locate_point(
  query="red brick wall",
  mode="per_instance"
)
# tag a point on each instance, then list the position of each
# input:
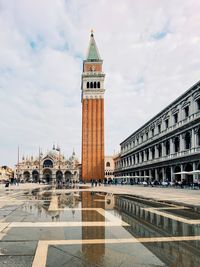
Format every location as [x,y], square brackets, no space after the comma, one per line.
[92,139]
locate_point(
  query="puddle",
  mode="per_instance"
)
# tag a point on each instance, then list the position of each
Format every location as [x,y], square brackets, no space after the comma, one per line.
[96,229]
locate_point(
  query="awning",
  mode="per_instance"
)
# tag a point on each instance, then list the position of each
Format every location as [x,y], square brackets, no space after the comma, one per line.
[183,172]
[195,172]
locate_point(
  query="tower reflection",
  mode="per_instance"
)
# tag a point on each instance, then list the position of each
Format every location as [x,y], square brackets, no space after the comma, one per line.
[93,253]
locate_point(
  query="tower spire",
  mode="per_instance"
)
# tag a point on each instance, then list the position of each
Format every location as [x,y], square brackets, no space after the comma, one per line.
[92,33]
[93,52]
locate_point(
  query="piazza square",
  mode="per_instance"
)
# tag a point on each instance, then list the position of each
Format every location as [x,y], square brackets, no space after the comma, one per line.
[100,134]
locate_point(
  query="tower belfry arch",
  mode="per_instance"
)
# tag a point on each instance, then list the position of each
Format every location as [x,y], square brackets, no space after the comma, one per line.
[92,114]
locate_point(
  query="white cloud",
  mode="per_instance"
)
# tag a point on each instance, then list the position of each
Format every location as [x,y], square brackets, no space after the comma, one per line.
[150,51]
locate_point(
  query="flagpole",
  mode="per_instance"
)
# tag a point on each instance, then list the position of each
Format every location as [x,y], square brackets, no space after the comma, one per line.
[39,166]
[18,163]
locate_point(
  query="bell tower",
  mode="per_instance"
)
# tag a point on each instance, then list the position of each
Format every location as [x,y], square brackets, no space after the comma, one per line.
[92,114]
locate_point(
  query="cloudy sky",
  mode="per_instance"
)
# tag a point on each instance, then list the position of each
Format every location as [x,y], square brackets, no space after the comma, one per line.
[151,52]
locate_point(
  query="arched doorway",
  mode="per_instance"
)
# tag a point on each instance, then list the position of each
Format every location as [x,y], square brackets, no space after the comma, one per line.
[68,176]
[153,175]
[168,174]
[188,177]
[177,177]
[198,166]
[35,175]
[160,175]
[59,176]
[47,175]
[48,163]
[26,176]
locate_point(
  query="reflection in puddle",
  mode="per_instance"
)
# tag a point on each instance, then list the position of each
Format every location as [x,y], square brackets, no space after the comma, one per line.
[95,242]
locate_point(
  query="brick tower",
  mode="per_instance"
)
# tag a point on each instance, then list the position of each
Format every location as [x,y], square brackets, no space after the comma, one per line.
[92,114]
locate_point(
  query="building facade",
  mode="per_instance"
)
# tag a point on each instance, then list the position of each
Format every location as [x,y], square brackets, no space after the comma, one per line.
[92,114]
[166,146]
[109,167]
[51,167]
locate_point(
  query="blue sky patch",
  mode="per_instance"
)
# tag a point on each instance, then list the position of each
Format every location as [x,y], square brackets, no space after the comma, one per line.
[160,35]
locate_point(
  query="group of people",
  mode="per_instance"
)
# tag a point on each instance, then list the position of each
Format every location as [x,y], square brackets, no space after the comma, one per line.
[95,182]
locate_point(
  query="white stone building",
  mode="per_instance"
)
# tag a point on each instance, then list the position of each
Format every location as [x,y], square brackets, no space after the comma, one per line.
[109,167]
[52,167]
[167,144]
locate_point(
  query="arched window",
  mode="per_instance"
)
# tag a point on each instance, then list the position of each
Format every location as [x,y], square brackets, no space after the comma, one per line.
[153,152]
[186,110]
[142,156]
[107,164]
[91,84]
[187,141]
[159,150]
[176,144]
[95,84]
[167,147]
[198,137]
[198,104]
[88,85]
[98,84]
[48,164]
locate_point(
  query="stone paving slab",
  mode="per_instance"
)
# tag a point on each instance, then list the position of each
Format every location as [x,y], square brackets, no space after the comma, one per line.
[26,248]
[16,261]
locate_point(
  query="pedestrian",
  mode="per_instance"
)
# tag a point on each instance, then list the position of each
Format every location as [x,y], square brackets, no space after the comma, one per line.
[7,184]
[96,182]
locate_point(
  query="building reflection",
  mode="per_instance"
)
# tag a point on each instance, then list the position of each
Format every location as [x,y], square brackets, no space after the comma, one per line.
[93,253]
[144,223]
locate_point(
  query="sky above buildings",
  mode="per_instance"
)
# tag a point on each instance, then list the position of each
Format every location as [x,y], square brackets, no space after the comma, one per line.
[151,56]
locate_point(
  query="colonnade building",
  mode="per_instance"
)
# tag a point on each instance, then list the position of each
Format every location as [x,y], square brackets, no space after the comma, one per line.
[167,144]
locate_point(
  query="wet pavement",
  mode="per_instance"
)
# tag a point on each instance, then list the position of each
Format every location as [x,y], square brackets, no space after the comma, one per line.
[79,227]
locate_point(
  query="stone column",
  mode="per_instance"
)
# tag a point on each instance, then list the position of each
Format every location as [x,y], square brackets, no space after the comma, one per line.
[145,155]
[172,173]
[194,175]
[163,174]
[150,154]
[156,174]
[172,146]
[163,149]
[132,160]
[196,141]
[193,145]
[182,145]
[182,175]
[150,174]
[140,158]
[156,151]
[136,161]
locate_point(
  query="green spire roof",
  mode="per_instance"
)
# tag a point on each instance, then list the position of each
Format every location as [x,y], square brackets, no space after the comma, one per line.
[93,53]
